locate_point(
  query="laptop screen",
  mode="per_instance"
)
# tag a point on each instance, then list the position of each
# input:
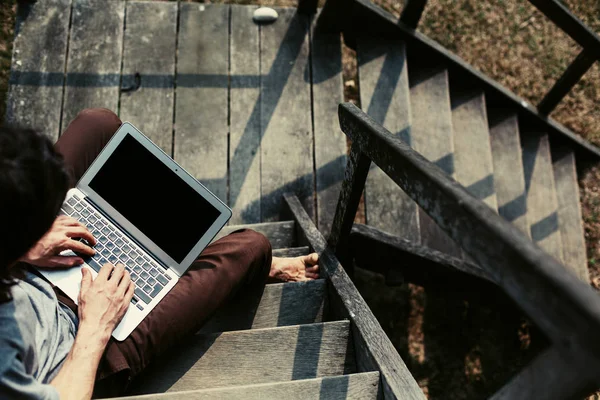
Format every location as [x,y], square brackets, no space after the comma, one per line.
[154,199]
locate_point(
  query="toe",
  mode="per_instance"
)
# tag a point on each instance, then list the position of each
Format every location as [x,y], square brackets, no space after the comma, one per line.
[311,259]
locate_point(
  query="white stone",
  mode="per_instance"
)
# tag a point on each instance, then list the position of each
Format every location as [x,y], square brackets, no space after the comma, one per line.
[265,15]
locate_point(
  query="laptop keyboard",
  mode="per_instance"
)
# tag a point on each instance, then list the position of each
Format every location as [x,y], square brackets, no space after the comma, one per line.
[114,247]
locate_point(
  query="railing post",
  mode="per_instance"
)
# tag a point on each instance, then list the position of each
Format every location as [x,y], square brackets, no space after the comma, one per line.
[307,6]
[412,12]
[565,83]
[335,15]
[355,177]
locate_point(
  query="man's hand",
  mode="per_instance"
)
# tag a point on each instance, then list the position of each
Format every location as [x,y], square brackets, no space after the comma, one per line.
[45,253]
[102,304]
[104,300]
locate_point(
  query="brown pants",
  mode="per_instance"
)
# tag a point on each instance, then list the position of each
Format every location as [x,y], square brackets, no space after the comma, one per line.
[238,262]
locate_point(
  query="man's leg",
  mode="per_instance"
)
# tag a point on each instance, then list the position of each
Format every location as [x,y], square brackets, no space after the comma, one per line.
[85,138]
[237,263]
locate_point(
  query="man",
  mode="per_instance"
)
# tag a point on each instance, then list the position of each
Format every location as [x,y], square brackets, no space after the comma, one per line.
[51,348]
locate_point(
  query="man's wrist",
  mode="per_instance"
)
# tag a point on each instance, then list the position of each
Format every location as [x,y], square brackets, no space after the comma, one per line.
[93,334]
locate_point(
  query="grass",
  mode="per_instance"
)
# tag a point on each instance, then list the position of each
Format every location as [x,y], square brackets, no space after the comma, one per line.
[458,349]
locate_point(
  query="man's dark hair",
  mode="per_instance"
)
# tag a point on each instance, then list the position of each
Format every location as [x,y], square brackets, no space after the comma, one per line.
[33,184]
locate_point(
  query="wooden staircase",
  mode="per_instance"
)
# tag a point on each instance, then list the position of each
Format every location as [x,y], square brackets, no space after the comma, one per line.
[285,342]
[488,145]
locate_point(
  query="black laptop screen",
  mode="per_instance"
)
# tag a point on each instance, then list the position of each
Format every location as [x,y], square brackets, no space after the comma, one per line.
[154,199]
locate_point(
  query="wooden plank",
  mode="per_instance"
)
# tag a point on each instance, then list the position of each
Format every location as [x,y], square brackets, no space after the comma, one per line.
[38,66]
[292,252]
[550,375]
[281,304]
[201,107]
[432,136]
[473,163]
[254,356]
[349,198]
[330,141]
[542,205]
[373,349]
[281,234]
[569,212]
[244,156]
[353,386]
[94,60]
[384,94]
[369,17]
[416,260]
[566,309]
[285,114]
[149,50]
[509,181]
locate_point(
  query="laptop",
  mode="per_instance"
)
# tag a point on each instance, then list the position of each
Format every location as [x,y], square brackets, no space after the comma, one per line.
[147,213]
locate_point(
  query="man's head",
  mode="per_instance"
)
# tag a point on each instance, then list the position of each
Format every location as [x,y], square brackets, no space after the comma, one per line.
[33,184]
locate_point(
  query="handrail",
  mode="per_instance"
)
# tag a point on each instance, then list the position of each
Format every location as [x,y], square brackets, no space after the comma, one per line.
[569,23]
[565,20]
[351,16]
[565,308]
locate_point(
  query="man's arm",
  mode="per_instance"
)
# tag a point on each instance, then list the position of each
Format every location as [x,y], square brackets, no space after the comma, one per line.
[76,377]
[102,304]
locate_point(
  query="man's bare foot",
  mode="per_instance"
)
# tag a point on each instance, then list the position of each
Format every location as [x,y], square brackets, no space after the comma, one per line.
[303,268]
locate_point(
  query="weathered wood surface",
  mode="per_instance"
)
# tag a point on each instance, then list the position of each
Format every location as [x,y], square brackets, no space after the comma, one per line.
[149,50]
[281,304]
[366,17]
[352,187]
[373,349]
[291,252]
[420,262]
[281,234]
[94,57]
[353,386]
[384,95]
[254,356]
[244,103]
[330,141]
[37,70]
[549,376]
[473,164]
[542,205]
[287,147]
[431,135]
[509,181]
[201,105]
[569,212]
[566,309]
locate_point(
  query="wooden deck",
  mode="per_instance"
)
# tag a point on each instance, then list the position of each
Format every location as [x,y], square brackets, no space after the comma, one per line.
[250,111]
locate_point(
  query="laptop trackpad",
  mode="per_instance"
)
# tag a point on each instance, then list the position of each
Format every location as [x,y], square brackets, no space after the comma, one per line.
[68,280]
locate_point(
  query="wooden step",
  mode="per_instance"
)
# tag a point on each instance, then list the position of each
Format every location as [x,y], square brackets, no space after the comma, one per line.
[280,234]
[384,95]
[472,150]
[542,204]
[509,181]
[360,386]
[280,304]
[292,252]
[252,357]
[569,212]
[431,135]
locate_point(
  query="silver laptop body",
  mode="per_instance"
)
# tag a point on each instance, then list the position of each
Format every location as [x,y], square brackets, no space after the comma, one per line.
[147,213]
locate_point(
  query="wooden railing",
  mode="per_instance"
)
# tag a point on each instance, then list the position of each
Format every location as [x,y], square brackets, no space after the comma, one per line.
[565,20]
[565,308]
[360,17]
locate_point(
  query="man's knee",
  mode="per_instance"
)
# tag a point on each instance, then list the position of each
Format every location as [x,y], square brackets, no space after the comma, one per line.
[103,120]
[258,244]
